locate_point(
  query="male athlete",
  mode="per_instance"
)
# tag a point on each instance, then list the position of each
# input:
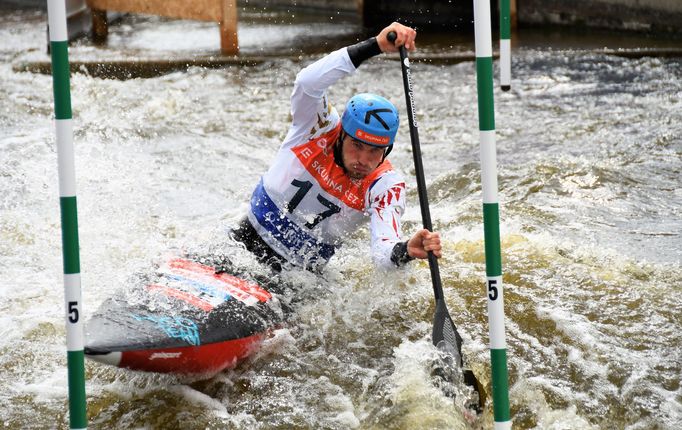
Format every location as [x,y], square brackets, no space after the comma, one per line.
[331,172]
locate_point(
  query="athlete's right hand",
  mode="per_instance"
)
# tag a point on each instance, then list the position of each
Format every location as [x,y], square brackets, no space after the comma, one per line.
[422,242]
[405,36]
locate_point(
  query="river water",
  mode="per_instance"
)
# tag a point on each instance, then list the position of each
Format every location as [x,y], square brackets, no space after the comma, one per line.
[590,161]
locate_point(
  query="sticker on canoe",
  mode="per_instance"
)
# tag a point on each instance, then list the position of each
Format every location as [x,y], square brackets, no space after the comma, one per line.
[175,327]
[165,355]
[201,287]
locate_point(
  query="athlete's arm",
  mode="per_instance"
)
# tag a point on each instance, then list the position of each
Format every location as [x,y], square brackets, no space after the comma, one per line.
[386,204]
[311,112]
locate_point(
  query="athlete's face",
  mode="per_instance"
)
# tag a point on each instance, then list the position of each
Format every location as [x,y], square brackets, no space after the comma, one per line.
[359,158]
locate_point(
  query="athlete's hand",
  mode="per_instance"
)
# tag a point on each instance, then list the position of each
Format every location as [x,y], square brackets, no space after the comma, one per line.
[422,242]
[405,36]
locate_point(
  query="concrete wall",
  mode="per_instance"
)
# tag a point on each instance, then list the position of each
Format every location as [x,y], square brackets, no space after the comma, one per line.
[637,15]
[346,7]
[72,6]
[79,20]
[24,3]
[446,15]
[437,15]
[663,16]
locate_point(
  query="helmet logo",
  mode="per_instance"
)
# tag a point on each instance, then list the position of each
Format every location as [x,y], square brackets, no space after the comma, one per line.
[372,138]
[375,113]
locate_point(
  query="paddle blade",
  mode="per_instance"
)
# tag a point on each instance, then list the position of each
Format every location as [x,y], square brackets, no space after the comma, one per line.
[447,339]
[445,335]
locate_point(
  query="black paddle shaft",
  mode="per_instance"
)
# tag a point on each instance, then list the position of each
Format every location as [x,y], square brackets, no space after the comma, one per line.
[444,329]
[418,166]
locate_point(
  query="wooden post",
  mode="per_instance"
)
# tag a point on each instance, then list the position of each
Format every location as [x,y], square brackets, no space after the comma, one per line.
[222,11]
[360,7]
[512,14]
[229,43]
[100,26]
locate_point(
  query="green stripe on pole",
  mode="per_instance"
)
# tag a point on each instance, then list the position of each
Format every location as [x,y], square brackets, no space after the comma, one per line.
[498,362]
[484,83]
[60,77]
[505,20]
[77,415]
[70,235]
[491,229]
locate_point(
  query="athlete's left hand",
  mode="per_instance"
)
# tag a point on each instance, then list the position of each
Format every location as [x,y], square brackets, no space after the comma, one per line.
[422,242]
[404,36]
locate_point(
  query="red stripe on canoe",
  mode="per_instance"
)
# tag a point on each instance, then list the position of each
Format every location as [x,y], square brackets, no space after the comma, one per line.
[239,288]
[204,359]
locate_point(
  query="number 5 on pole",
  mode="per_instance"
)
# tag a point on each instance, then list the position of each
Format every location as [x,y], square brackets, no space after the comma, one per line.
[73,312]
[492,290]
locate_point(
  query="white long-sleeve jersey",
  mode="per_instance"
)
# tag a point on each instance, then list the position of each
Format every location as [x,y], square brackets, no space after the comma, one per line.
[306,204]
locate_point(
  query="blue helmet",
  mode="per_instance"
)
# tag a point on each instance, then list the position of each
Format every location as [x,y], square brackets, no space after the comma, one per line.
[371,119]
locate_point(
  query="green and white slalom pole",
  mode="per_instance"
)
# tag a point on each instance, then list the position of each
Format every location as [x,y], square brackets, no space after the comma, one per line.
[505,45]
[56,11]
[491,214]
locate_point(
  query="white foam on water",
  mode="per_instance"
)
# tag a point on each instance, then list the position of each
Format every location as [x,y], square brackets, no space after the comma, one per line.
[50,386]
[420,403]
[527,393]
[200,399]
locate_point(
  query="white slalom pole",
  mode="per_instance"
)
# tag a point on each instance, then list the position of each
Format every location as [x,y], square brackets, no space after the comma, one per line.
[491,216]
[59,47]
